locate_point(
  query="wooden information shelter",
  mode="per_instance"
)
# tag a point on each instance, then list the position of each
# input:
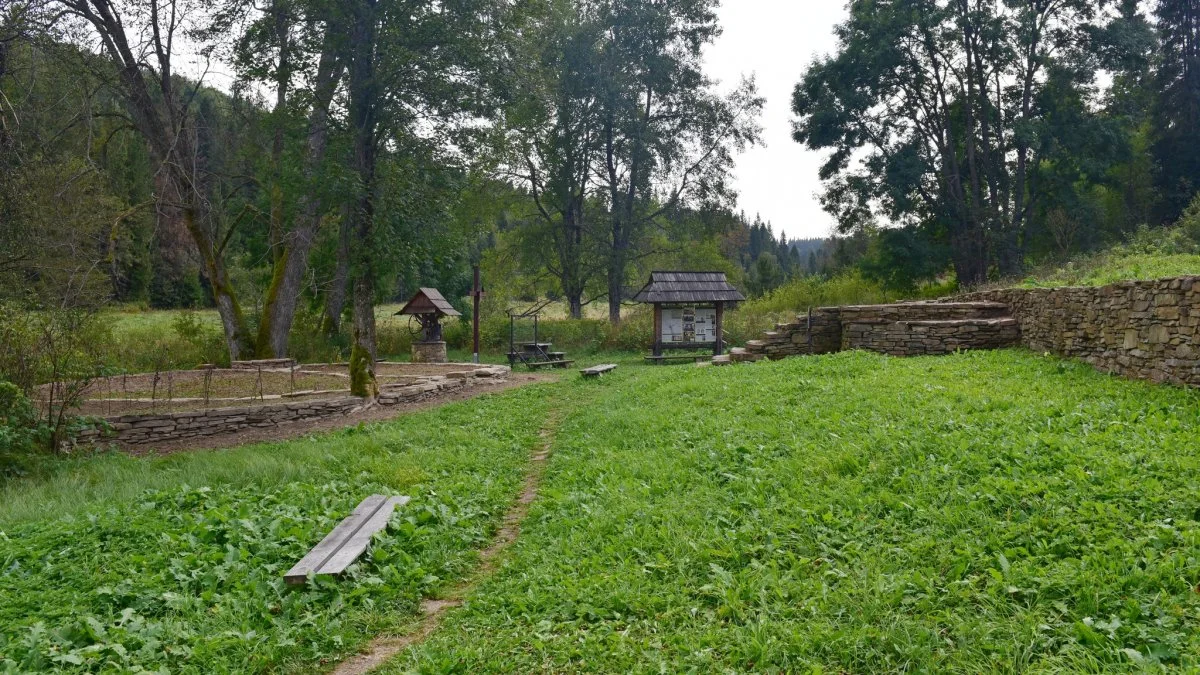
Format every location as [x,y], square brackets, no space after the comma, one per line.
[689,310]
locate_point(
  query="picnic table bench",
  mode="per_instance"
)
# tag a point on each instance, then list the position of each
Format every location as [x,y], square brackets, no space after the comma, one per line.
[597,371]
[341,547]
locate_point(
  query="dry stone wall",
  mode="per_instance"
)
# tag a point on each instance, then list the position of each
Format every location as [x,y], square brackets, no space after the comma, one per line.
[905,329]
[1147,330]
[1140,329]
[935,337]
[145,429]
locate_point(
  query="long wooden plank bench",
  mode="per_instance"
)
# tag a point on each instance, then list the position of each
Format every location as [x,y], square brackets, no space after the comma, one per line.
[597,371]
[341,547]
[549,364]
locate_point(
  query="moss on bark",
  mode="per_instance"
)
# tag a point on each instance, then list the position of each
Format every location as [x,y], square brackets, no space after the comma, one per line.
[362,373]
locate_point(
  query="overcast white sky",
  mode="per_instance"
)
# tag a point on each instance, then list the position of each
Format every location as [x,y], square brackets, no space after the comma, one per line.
[775,40]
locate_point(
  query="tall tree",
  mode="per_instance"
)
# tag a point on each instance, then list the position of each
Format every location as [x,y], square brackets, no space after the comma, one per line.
[289,37]
[1177,114]
[416,69]
[141,38]
[667,138]
[936,111]
[552,133]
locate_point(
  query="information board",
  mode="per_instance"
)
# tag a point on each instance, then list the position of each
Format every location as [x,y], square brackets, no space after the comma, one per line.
[689,325]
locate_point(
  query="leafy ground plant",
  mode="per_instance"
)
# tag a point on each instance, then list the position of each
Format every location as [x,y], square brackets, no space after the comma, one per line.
[853,513]
[175,564]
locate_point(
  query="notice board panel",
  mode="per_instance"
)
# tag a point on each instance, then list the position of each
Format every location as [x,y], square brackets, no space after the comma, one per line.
[689,325]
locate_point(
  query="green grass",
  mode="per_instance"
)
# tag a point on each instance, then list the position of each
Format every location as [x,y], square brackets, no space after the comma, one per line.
[853,513]
[850,513]
[112,563]
[1113,267]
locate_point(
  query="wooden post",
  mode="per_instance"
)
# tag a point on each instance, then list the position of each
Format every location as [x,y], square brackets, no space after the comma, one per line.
[657,329]
[476,291]
[720,346]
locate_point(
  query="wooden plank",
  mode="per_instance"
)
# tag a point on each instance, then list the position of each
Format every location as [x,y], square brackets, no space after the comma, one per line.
[597,371]
[361,539]
[348,540]
[545,364]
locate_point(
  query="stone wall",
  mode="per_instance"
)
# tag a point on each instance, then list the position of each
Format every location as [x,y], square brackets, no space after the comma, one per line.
[905,329]
[1146,330]
[928,338]
[157,428]
[1141,329]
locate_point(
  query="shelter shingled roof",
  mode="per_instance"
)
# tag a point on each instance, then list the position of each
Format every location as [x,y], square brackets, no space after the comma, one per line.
[429,301]
[688,287]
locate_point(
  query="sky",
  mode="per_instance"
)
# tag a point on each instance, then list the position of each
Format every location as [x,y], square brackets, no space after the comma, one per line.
[775,40]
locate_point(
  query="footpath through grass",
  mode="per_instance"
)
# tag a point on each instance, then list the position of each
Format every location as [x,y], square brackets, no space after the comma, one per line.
[116,564]
[853,513]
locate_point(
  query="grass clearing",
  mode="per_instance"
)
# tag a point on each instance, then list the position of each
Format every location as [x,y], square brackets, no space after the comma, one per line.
[854,513]
[113,564]
[848,513]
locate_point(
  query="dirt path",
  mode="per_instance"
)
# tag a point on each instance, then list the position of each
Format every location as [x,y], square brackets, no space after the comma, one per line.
[300,429]
[433,611]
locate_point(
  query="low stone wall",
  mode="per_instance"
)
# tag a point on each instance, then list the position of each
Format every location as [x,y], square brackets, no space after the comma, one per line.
[1140,329]
[158,428]
[930,338]
[905,329]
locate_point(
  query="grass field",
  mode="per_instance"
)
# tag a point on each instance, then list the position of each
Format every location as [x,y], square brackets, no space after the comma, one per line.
[850,513]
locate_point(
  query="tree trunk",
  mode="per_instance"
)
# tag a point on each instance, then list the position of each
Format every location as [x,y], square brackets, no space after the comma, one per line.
[364,98]
[335,297]
[282,84]
[279,309]
[616,286]
[237,335]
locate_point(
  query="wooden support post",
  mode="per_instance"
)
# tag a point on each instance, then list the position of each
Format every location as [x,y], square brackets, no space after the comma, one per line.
[719,348]
[657,329]
[476,294]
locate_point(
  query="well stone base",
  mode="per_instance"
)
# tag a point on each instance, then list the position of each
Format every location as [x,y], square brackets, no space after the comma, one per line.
[429,352]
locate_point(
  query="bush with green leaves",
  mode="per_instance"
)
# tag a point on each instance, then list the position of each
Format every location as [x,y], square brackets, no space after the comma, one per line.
[20,429]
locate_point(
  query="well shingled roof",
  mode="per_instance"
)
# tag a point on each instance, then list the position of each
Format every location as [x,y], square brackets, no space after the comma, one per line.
[427,299]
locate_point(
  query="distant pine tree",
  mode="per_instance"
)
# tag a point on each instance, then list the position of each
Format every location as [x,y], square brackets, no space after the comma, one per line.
[1177,115]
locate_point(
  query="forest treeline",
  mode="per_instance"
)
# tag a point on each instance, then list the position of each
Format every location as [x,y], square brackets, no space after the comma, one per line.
[298,161]
[990,135]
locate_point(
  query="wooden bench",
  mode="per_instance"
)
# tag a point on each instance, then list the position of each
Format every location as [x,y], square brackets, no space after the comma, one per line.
[660,360]
[549,364]
[349,539]
[597,371]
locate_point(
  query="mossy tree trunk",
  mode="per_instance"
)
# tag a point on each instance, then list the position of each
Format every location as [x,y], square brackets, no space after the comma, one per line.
[364,103]
[287,278]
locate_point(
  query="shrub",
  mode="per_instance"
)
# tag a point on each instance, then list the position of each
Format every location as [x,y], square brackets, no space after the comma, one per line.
[19,428]
[202,344]
[60,348]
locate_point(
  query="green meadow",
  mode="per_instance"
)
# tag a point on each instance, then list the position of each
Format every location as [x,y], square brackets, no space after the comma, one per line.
[997,511]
